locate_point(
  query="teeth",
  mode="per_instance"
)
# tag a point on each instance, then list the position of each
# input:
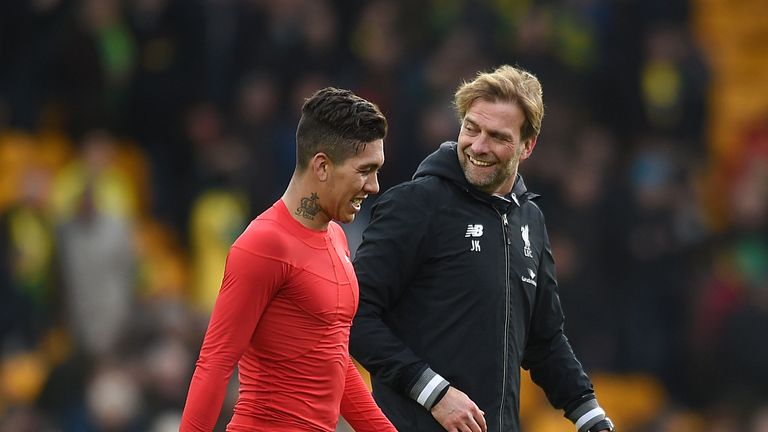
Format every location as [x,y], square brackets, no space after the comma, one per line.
[478,162]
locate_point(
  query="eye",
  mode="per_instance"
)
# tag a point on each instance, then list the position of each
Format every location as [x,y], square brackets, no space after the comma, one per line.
[502,138]
[368,171]
[470,128]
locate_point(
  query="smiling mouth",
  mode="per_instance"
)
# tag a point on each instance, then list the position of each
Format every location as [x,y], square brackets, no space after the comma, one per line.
[478,162]
[357,202]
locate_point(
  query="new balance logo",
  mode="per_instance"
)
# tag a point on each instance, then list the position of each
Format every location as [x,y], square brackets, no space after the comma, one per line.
[474,231]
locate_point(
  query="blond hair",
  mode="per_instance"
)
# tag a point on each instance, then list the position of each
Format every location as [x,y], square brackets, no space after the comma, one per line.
[505,84]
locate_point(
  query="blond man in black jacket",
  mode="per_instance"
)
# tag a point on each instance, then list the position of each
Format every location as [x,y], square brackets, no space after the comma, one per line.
[457,279]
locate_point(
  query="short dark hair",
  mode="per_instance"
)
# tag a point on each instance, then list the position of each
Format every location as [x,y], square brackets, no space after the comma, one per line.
[338,123]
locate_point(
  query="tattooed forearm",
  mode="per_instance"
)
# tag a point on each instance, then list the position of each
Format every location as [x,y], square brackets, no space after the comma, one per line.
[308,208]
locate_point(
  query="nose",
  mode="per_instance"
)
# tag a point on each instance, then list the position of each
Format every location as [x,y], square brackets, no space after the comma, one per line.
[372,184]
[480,144]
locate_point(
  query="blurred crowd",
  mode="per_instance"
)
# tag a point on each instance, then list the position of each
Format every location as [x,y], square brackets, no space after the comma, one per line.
[139,137]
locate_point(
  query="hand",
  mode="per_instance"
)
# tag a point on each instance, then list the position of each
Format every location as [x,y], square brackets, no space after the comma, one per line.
[457,413]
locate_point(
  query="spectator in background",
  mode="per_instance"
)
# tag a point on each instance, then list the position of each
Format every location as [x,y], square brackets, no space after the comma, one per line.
[289,292]
[95,241]
[26,31]
[167,79]
[27,257]
[579,243]
[458,287]
[95,59]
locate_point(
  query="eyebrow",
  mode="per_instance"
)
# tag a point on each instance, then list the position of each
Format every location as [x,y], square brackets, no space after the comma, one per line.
[369,166]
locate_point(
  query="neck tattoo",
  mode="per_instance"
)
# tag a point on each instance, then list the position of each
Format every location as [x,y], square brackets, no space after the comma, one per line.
[308,208]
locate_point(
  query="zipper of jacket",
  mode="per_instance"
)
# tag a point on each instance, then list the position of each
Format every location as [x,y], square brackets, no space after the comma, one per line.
[507,242]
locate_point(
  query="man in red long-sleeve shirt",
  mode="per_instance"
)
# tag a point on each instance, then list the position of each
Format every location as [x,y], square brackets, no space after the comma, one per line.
[289,291]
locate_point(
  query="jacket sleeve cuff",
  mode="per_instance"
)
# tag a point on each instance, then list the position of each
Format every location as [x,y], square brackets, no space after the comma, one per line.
[586,415]
[428,388]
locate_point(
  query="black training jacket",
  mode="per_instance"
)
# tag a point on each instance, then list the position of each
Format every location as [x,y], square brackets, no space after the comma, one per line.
[461,284]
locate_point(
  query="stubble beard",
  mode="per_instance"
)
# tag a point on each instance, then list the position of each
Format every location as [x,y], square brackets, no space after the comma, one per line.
[489,183]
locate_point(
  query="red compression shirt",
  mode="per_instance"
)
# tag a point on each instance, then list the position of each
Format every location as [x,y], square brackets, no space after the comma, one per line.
[283,315]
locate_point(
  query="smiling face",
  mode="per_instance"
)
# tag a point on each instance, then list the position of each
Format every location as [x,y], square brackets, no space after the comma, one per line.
[351,181]
[490,148]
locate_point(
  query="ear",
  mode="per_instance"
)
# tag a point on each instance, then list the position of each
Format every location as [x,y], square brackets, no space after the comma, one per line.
[321,165]
[528,146]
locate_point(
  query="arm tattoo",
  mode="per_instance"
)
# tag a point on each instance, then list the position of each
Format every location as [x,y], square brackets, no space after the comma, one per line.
[309,207]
